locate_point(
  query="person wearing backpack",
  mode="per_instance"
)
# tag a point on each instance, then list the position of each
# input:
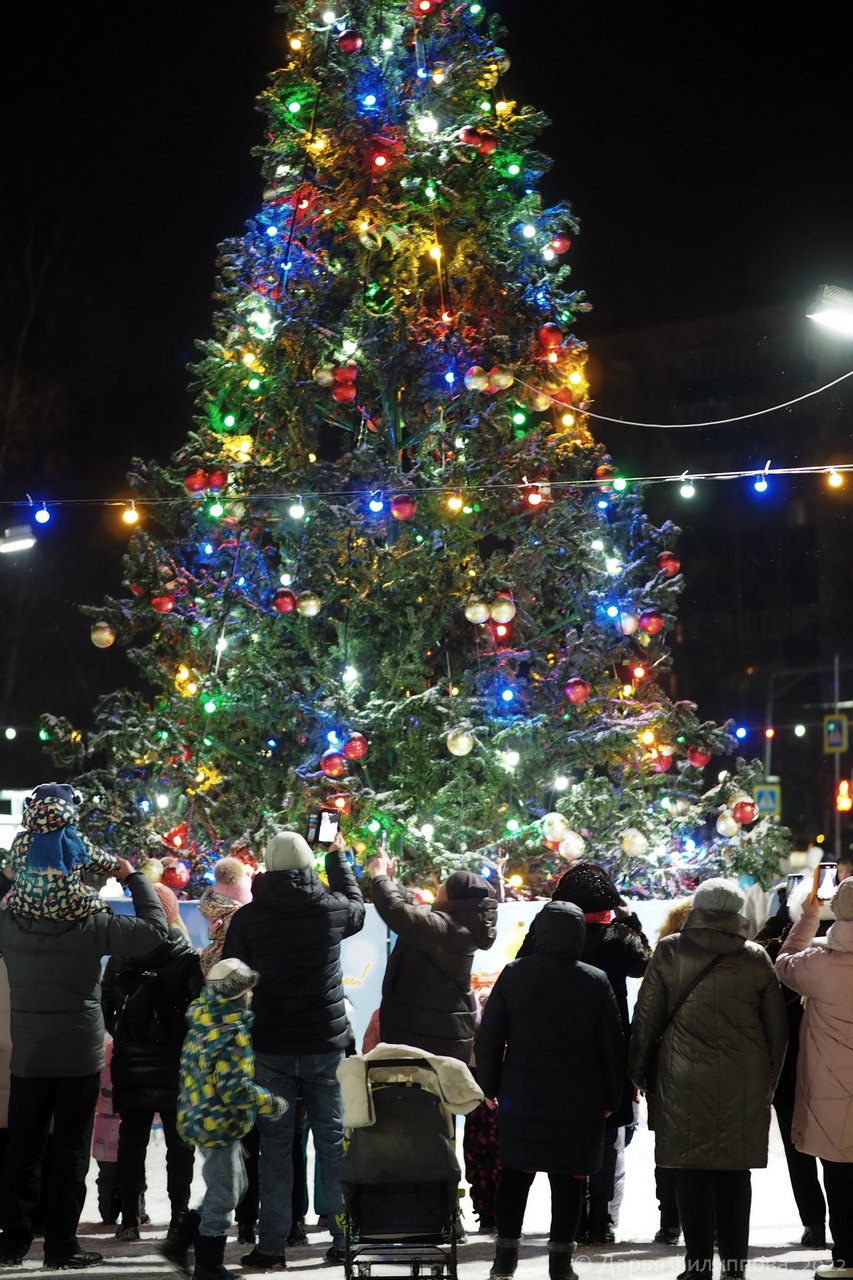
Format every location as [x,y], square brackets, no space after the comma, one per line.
[145,1003]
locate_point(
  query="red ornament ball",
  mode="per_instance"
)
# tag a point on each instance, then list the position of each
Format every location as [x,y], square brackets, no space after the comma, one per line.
[195,481]
[576,690]
[333,763]
[698,758]
[561,243]
[176,876]
[217,478]
[486,142]
[662,763]
[346,372]
[344,392]
[136,589]
[403,507]
[744,812]
[550,335]
[651,621]
[283,600]
[355,746]
[469,135]
[163,604]
[349,41]
[668,564]
[604,474]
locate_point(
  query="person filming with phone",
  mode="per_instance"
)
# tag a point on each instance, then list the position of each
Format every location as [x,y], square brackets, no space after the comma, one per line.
[290,934]
[821,969]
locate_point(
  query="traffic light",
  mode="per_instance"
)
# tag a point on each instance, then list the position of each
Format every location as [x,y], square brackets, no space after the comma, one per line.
[844,800]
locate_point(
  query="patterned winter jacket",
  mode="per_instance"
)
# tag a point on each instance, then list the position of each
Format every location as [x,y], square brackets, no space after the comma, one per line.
[53,893]
[219,1098]
[217,910]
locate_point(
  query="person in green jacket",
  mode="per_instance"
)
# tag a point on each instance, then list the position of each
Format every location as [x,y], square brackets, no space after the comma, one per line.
[218,1104]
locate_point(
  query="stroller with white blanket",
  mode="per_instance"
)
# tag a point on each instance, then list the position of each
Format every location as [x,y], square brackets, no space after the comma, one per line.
[400,1176]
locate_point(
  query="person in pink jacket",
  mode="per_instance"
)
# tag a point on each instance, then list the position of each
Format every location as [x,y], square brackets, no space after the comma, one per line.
[821,969]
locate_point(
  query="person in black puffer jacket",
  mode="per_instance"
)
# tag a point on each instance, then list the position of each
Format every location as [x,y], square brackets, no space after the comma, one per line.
[551,1050]
[427,1000]
[145,1002]
[615,942]
[291,934]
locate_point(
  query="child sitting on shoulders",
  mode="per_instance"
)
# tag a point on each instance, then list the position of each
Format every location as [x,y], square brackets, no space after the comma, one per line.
[49,857]
[231,890]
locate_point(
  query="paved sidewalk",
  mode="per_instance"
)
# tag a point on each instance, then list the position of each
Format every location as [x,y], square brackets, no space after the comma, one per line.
[774,1231]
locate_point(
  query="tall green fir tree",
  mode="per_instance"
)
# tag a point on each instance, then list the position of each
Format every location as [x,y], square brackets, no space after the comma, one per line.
[390,572]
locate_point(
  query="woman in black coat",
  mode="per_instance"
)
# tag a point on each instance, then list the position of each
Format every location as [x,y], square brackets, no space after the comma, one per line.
[551,1056]
[145,1004]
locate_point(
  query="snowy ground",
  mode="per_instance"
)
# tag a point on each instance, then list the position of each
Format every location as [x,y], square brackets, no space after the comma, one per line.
[775,1229]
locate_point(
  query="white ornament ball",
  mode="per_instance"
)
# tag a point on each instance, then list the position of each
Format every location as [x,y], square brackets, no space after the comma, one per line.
[628,623]
[572,845]
[502,608]
[634,843]
[476,379]
[726,825]
[459,742]
[477,610]
[152,870]
[555,827]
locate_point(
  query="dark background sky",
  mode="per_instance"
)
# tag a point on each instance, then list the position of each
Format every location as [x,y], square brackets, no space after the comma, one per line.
[706,151]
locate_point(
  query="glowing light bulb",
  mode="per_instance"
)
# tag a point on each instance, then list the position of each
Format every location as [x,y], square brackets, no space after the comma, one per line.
[502,106]
[297,511]
[450,377]
[800,730]
[374,826]
[514,170]
[376,504]
[613,567]
[350,676]
[427,831]
[534,498]
[216,509]
[770,733]
[221,644]
[507,695]
[229,420]
[285,579]
[597,544]
[162,801]
[512,758]
[210,706]
[455,502]
[435,252]
[620,484]
[370,100]
[387,44]
[271,231]
[627,690]
[687,490]
[568,420]
[515,882]
[740,732]
[638,673]
[528,231]
[380,161]
[130,515]
[192,687]
[183,674]
[253,384]
[548,254]
[329,16]
[294,108]
[834,479]
[647,738]
[552,357]
[438,77]
[296,43]
[575,378]
[760,485]
[612,611]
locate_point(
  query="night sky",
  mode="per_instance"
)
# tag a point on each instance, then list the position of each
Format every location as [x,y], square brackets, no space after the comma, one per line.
[706,151]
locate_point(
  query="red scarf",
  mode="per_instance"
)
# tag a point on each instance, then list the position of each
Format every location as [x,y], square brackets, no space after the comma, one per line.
[598,917]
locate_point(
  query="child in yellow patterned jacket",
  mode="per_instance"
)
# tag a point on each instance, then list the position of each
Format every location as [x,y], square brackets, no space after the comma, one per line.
[218,1103]
[49,858]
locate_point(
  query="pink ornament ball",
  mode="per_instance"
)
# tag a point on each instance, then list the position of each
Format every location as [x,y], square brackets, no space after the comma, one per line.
[349,41]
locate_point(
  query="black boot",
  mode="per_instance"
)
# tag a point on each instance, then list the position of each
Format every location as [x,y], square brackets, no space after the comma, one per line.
[506,1258]
[670,1231]
[176,1247]
[599,1229]
[210,1259]
[560,1261]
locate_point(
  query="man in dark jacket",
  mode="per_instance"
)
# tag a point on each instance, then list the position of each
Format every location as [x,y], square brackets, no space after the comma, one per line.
[551,1051]
[290,933]
[54,971]
[427,1000]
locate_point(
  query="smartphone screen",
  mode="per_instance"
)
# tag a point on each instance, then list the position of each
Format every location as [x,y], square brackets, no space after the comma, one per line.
[329,823]
[795,879]
[313,824]
[828,881]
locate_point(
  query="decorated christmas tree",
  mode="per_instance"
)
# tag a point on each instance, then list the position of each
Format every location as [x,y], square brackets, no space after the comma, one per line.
[390,572]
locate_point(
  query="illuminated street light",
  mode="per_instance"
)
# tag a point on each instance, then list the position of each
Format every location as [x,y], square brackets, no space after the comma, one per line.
[18,538]
[833,308]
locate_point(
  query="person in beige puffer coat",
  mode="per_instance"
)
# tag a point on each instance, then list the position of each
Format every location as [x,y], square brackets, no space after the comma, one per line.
[821,970]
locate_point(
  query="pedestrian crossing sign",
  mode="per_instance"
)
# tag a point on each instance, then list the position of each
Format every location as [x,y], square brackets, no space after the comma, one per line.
[834,734]
[768,799]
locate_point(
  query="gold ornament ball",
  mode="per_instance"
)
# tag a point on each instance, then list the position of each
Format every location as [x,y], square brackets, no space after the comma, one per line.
[459,742]
[102,635]
[634,843]
[572,846]
[477,610]
[324,374]
[152,870]
[726,825]
[476,379]
[308,603]
[555,827]
[501,378]
[502,609]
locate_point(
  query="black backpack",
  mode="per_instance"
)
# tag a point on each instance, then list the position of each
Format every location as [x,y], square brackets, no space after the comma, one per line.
[144,1012]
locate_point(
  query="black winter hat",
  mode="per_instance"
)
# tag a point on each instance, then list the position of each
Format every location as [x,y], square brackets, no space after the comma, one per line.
[54,791]
[588,887]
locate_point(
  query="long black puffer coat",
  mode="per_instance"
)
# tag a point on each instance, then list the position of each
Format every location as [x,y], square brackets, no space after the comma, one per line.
[145,1003]
[291,934]
[426,993]
[550,1047]
[721,1055]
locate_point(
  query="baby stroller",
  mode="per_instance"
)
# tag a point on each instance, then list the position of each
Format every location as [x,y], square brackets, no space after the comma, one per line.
[400,1176]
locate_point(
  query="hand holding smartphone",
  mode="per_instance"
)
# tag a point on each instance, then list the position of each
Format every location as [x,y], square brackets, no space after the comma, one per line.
[827,881]
[323,826]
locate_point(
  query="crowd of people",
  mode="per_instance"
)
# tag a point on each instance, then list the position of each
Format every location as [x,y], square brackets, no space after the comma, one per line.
[237,1050]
